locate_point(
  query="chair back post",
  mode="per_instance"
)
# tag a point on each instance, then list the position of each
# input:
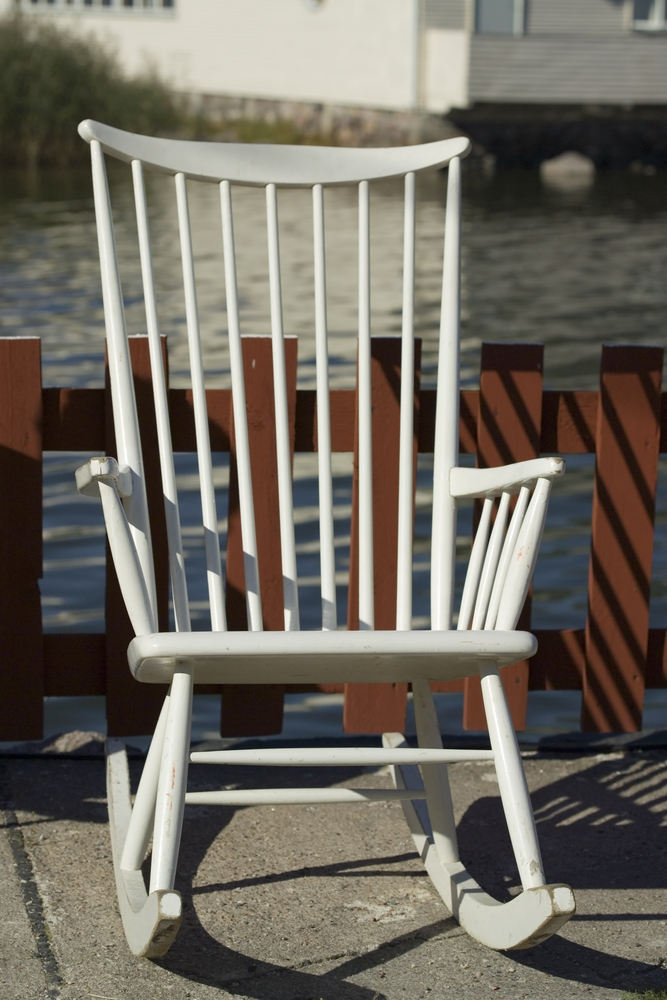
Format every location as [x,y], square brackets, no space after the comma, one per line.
[126,423]
[443,537]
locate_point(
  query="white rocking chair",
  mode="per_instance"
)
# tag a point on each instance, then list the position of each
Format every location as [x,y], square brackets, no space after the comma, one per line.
[499,575]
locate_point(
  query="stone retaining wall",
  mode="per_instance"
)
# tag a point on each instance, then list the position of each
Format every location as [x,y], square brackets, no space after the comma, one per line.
[344,126]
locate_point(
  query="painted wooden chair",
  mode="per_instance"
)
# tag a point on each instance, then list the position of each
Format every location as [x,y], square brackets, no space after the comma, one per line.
[499,574]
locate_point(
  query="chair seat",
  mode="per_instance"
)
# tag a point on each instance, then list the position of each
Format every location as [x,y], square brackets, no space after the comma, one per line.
[323,657]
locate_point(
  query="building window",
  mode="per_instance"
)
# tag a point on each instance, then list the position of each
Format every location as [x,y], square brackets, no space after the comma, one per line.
[500,17]
[649,15]
[120,6]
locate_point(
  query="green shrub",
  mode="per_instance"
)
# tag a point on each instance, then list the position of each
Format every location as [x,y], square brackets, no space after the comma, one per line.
[646,995]
[205,127]
[50,80]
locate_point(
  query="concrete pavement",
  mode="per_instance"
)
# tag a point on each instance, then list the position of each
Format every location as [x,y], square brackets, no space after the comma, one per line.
[330,902]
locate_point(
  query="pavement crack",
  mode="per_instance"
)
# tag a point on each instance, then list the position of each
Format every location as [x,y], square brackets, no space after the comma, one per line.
[33,903]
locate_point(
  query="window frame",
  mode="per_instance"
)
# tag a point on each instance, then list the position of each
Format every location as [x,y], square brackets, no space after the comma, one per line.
[658,20]
[519,21]
[139,8]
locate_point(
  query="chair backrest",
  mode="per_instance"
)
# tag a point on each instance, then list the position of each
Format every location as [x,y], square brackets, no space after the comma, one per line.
[272,168]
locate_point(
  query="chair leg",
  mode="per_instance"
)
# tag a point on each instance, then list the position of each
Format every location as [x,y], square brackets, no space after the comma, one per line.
[172,783]
[511,779]
[150,922]
[143,812]
[436,779]
[539,911]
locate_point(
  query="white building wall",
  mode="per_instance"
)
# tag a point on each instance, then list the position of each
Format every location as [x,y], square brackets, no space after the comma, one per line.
[350,52]
[446,59]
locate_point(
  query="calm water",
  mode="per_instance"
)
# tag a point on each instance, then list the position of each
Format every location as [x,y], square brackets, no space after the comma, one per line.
[571,269]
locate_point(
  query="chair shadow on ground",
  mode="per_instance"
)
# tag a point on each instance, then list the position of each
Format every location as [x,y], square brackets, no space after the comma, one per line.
[195,946]
[603,828]
[600,828]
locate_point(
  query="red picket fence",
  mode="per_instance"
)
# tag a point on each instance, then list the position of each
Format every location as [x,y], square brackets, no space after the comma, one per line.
[510,418]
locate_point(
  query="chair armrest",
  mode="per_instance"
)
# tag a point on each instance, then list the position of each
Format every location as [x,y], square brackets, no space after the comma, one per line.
[468,483]
[106,470]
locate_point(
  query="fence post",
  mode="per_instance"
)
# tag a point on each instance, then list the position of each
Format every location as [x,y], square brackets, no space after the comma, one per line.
[377,708]
[21,643]
[257,709]
[508,430]
[627,451]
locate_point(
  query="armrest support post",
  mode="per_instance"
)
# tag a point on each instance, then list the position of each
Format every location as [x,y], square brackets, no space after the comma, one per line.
[102,477]
[522,562]
[126,560]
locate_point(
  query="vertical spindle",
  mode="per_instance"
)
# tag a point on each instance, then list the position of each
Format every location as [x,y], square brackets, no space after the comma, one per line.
[406,446]
[283,450]
[324,476]
[366,586]
[207,491]
[248,533]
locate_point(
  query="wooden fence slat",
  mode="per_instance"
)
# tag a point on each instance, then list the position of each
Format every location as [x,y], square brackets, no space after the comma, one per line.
[21,664]
[75,665]
[182,419]
[656,658]
[468,407]
[559,662]
[73,420]
[568,422]
[252,709]
[133,708]
[663,423]
[508,430]
[342,415]
[377,708]
[449,687]
[627,448]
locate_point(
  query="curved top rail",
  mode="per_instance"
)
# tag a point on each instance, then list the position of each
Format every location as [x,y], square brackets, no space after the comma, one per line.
[257,165]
